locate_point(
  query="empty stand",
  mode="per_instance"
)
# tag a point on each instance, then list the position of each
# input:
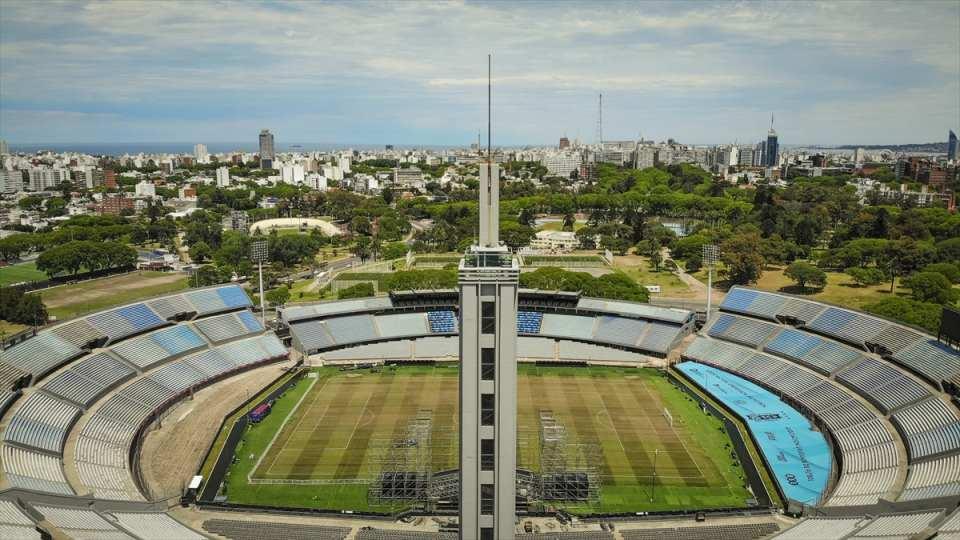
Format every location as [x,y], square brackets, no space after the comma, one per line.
[528,322]
[747,531]
[262,530]
[442,322]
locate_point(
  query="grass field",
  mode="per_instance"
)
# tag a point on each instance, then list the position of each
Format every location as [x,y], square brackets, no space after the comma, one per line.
[20,272]
[328,432]
[67,301]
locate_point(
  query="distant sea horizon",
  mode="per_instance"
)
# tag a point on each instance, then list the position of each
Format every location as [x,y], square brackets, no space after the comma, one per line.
[119,149]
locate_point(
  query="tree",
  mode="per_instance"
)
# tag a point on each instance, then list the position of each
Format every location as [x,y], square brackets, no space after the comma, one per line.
[209,274]
[742,262]
[569,221]
[656,259]
[515,235]
[949,270]
[200,252]
[805,273]
[360,290]
[923,314]
[393,250]
[931,287]
[278,296]
[864,276]
[361,248]
[17,307]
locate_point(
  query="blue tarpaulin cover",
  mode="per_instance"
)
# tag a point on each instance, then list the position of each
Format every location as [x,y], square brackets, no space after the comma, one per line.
[798,455]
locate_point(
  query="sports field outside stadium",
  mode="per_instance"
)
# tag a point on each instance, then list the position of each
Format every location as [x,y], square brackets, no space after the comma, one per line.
[325,440]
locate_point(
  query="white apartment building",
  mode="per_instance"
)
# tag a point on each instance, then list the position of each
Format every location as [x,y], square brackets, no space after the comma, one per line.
[646,157]
[11,181]
[316,181]
[200,153]
[44,178]
[292,174]
[561,163]
[332,172]
[145,189]
[344,163]
[223,176]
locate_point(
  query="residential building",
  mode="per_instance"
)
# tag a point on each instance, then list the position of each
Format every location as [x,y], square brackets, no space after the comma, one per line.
[292,174]
[115,205]
[267,155]
[4,149]
[564,143]
[109,178]
[11,181]
[410,178]
[145,189]
[344,163]
[561,163]
[44,178]
[646,157]
[223,176]
[746,157]
[200,152]
[951,146]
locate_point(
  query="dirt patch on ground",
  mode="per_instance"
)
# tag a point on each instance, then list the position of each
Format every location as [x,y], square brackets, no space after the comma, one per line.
[100,288]
[171,455]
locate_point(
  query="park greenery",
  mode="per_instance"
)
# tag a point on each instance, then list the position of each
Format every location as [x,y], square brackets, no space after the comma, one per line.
[812,225]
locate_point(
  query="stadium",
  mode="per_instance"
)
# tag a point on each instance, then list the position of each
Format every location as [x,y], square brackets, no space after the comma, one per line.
[184,417]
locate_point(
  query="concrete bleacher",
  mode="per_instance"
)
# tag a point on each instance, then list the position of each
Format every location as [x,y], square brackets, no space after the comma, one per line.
[42,422]
[217,299]
[853,425]
[402,324]
[34,470]
[567,326]
[41,354]
[15,524]
[367,533]
[930,427]
[126,321]
[227,326]
[154,526]
[746,531]
[823,528]
[882,384]
[264,530]
[79,523]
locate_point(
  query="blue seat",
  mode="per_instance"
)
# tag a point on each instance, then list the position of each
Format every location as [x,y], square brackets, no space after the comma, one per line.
[140,316]
[233,296]
[528,322]
[442,322]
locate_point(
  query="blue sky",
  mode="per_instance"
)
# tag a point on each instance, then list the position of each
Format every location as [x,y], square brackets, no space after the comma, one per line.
[415,73]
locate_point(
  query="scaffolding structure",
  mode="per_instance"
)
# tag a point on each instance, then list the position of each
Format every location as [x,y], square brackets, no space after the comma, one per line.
[404,465]
[568,470]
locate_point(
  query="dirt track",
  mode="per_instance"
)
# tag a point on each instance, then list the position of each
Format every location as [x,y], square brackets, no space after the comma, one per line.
[171,455]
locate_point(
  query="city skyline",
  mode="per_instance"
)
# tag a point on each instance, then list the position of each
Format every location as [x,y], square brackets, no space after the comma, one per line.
[399,72]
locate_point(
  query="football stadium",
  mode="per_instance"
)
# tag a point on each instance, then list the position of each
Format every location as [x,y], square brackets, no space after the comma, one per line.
[184,417]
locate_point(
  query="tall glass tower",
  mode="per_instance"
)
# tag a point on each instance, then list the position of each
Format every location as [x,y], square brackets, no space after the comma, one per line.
[772,149]
[488,282]
[267,154]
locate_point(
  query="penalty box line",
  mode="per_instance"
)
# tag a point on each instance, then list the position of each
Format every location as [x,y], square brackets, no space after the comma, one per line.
[280,430]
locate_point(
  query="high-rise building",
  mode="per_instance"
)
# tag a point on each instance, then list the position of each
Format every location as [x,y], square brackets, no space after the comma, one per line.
[109,178]
[4,149]
[200,152]
[771,152]
[11,181]
[488,282]
[223,177]
[267,154]
[859,155]
[564,143]
[952,146]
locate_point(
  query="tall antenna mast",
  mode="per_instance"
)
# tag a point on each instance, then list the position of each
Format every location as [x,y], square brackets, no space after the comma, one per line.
[489,107]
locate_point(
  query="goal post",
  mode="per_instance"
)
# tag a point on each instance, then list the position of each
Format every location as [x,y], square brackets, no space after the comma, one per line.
[668,416]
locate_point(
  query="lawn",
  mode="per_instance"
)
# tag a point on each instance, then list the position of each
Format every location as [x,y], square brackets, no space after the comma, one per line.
[558,225]
[68,301]
[8,328]
[639,269]
[20,272]
[840,288]
[331,445]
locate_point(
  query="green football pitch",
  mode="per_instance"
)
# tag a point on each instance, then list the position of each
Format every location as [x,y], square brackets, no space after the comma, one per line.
[327,438]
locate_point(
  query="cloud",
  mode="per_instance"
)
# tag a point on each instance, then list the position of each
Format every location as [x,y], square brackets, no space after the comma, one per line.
[198,66]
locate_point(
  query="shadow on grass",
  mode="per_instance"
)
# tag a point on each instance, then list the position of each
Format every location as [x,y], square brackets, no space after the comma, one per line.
[796,289]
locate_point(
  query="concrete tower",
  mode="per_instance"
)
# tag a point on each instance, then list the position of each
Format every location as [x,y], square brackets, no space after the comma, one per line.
[488,281]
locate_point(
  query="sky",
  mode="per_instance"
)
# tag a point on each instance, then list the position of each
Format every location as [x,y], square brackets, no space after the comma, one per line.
[406,72]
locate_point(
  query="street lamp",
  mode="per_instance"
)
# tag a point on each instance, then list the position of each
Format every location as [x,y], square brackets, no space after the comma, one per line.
[710,255]
[259,252]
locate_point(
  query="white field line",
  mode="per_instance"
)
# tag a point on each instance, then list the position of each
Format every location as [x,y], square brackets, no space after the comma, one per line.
[279,431]
[357,423]
[674,430]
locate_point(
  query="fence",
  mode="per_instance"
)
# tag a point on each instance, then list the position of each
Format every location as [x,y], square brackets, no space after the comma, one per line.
[62,280]
[212,484]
